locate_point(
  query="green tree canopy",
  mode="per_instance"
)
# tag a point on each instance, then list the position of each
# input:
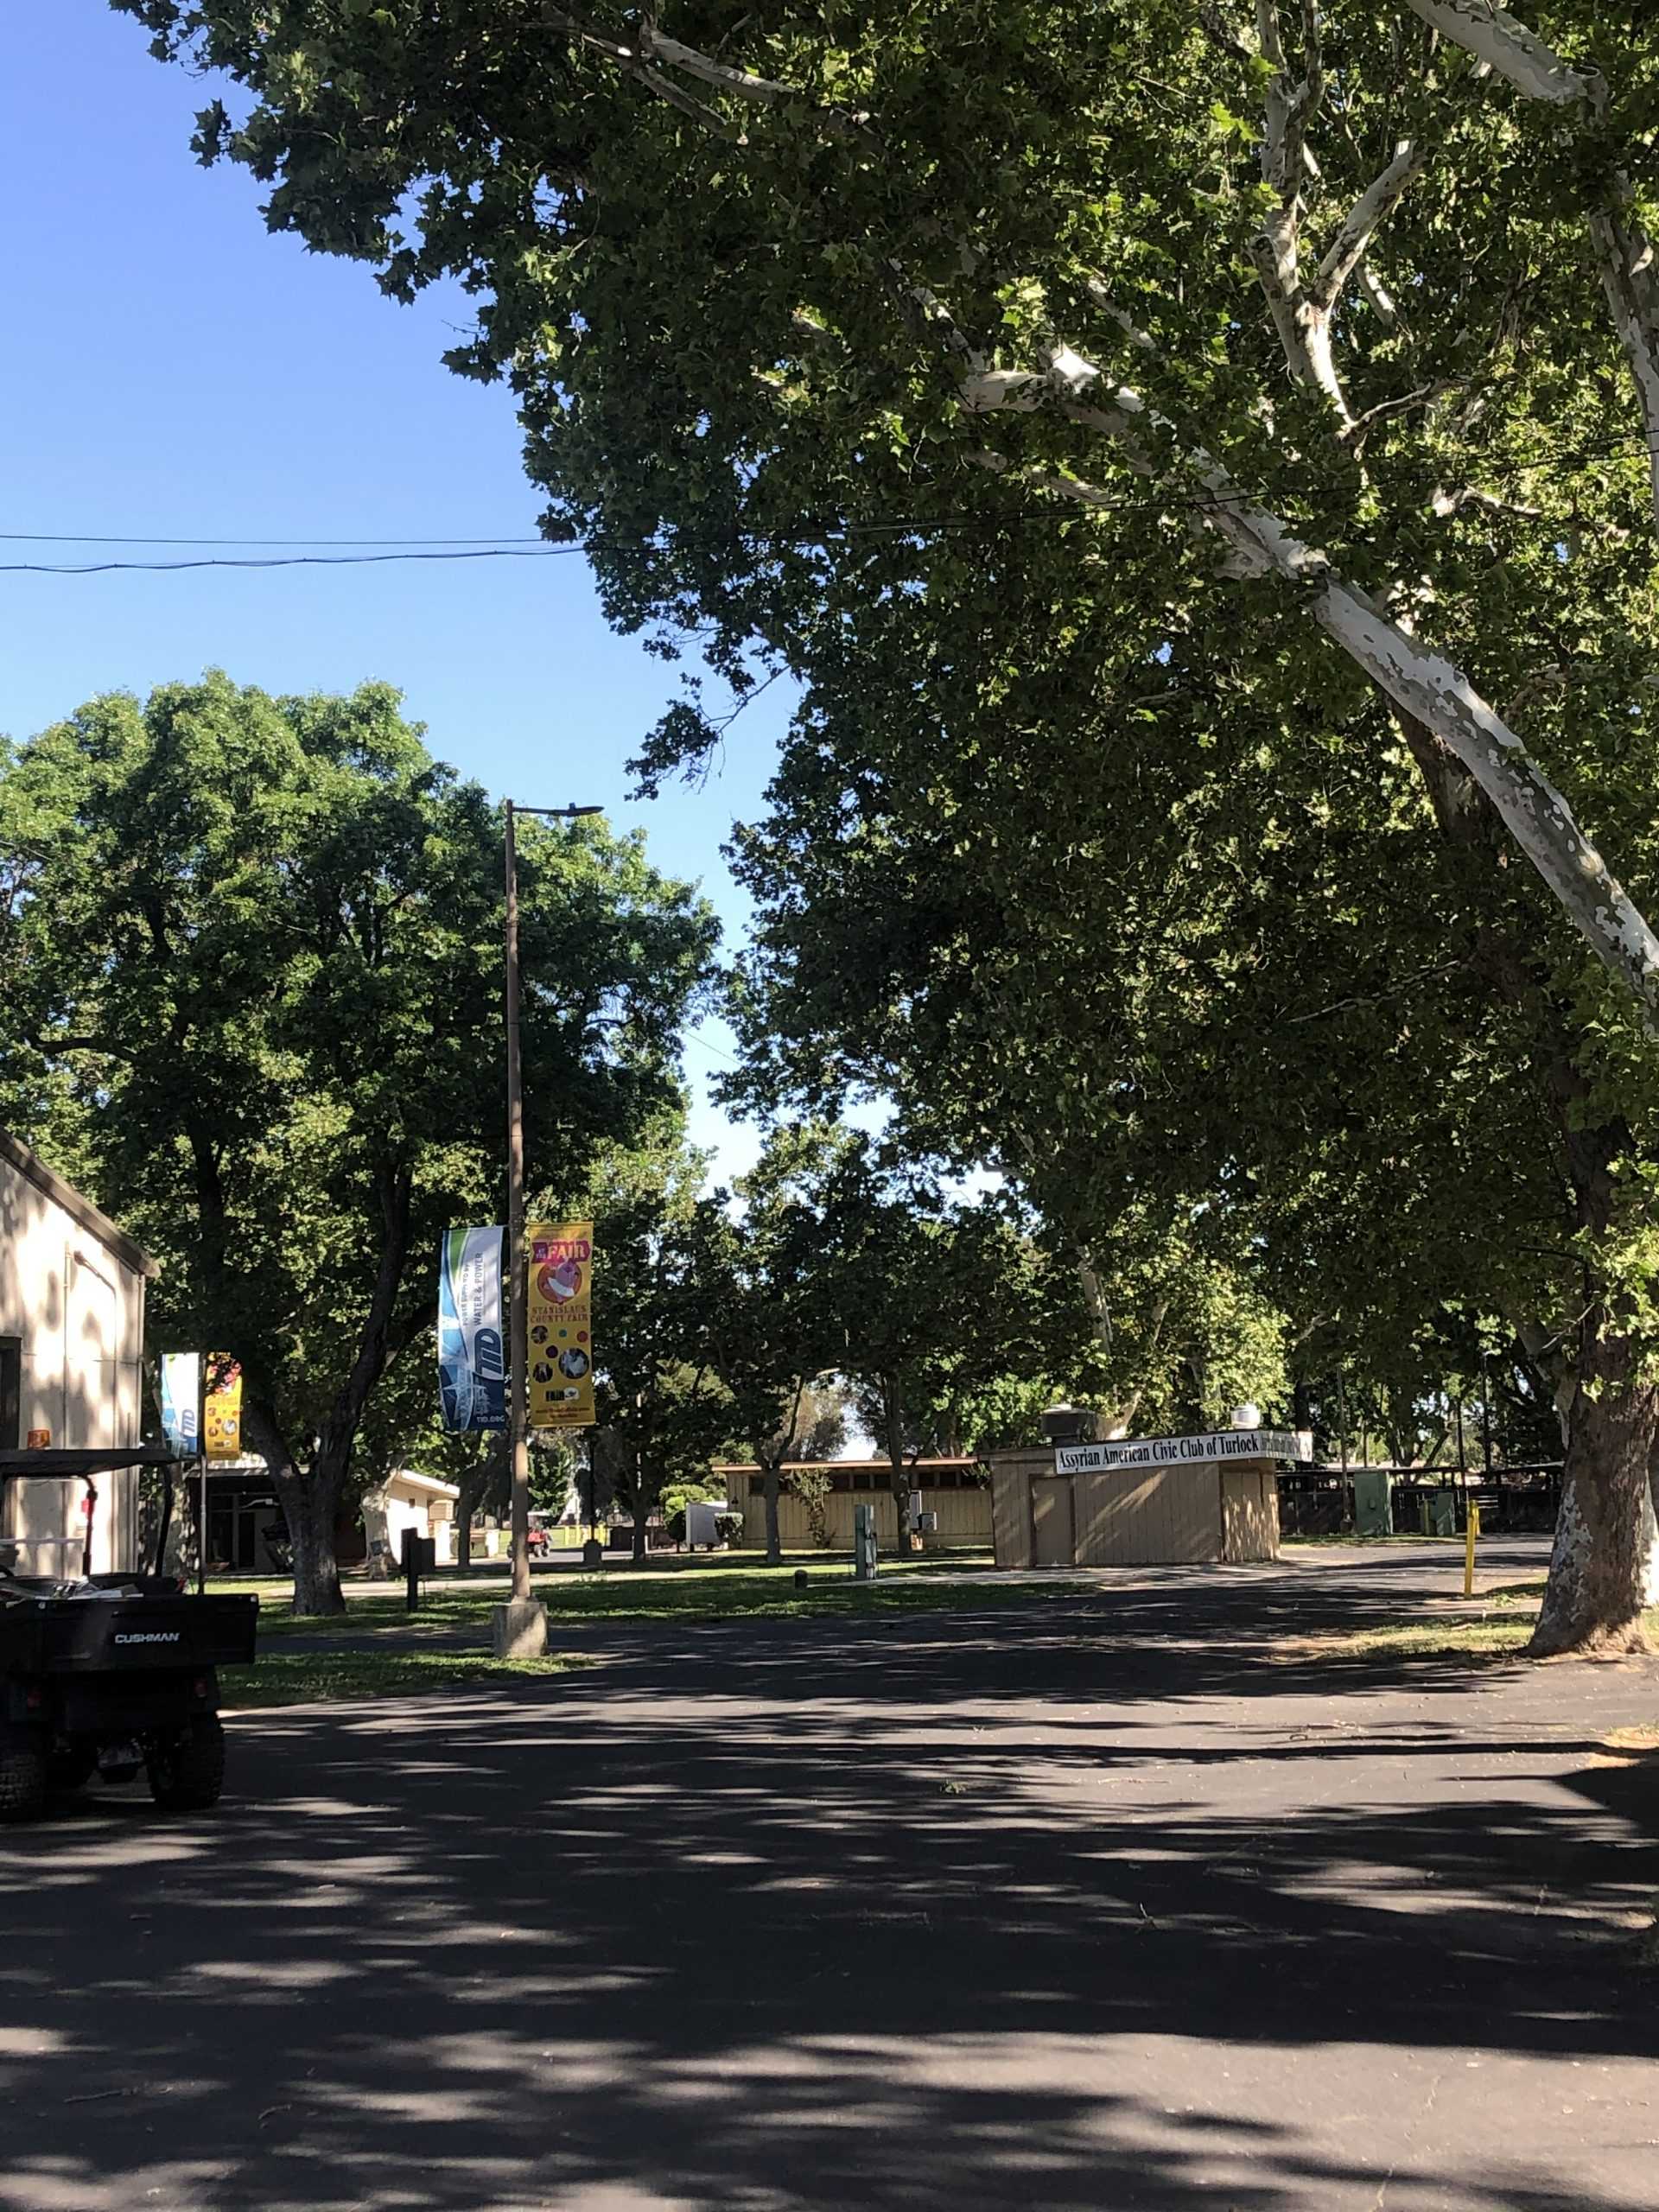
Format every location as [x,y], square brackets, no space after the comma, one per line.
[1313,358]
[258,941]
[754,1309]
[663,1412]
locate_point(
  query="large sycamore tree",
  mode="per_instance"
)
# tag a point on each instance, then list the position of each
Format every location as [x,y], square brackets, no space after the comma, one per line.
[1233,1042]
[251,952]
[1347,314]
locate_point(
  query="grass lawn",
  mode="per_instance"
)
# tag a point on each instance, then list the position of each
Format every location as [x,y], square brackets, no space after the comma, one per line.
[727,1586]
[1501,1626]
[723,1586]
[307,1677]
[1349,1541]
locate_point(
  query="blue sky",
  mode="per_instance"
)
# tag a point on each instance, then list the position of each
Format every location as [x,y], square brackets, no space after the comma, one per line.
[173,370]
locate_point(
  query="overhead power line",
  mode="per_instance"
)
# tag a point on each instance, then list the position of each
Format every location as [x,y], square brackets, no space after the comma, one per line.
[280,561]
[375,552]
[92,537]
[536,549]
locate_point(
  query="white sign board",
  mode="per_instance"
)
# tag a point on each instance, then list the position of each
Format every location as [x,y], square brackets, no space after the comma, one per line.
[1181,1451]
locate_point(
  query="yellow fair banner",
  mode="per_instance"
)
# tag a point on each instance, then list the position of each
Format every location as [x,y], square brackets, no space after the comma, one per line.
[559,1308]
[222,1413]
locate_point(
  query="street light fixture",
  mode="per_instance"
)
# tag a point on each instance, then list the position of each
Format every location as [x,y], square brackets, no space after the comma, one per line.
[518,1324]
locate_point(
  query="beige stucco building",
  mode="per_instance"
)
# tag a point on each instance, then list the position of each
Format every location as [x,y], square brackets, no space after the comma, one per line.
[1144,1501]
[954,1491]
[408,1503]
[72,1335]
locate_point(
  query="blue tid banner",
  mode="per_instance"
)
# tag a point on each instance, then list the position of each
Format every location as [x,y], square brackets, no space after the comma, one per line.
[471,1357]
[182,1402]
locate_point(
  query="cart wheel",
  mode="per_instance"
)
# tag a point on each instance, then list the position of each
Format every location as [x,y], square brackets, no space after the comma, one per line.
[22,1781]
[70,1766]
[187,1768]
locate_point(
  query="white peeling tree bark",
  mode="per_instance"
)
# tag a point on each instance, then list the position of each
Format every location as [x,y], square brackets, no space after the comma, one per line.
[1538,816]
[1419,681]
[1629,277]
[1116,1421]
[1601,1571]
[1601,1574]
[1504,43]
[1302,309]
[1604,1566]
[1624,254]
[1573,1532]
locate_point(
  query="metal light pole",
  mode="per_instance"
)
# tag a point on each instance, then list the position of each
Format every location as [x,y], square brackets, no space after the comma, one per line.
[518,1319]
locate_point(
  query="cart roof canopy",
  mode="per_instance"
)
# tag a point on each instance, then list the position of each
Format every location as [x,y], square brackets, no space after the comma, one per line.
[69,1465]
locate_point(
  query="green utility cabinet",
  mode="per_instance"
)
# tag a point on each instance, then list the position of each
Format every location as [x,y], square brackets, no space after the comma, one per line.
[1373,1501]
[1437,1512]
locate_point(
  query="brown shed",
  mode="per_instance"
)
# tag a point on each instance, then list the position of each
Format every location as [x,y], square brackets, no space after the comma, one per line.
[1142,1501]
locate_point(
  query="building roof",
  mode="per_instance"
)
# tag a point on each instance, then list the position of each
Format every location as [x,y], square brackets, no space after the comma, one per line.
[33,1169]
[431,1483]
[882,1466]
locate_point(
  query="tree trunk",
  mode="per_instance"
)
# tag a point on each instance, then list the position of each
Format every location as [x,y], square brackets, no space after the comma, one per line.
[310,1496]
[1601,1571]
[639,1552]
[770,1451]
[1100,1314]
[1601,1568]
[474,1484]
[893,1423]
[311,1506]
[310,1501]
[771,1482]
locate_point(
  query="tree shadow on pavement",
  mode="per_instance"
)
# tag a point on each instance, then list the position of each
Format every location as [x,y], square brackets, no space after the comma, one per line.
[941,1916]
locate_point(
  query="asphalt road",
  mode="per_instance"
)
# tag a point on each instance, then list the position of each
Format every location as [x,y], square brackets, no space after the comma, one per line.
[1106,1903]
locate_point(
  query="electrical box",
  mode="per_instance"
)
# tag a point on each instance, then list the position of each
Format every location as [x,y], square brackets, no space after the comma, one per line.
[1373,1501]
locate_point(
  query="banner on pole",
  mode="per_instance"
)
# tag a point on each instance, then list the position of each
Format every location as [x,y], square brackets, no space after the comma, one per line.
[471,1357]
[181,1401]
[559,1307]
[221,1416]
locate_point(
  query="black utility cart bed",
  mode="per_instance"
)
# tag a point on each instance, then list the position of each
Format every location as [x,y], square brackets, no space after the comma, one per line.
[108,1673]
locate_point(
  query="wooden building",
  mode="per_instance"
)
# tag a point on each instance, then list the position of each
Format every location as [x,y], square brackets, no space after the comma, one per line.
[72,1335]
[955,1491]
[1141,1501]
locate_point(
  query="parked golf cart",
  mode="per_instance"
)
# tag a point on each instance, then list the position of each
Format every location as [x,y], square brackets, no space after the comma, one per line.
[107,1674]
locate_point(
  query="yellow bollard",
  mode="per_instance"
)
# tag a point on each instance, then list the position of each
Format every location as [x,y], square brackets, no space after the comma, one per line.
[1471,1532]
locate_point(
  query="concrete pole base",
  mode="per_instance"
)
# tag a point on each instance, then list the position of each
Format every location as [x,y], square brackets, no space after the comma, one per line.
[518,1629]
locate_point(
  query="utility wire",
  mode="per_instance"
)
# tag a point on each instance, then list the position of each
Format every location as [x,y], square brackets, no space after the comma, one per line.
[534,549]
[275,560]
[717,1052]
[91,537]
